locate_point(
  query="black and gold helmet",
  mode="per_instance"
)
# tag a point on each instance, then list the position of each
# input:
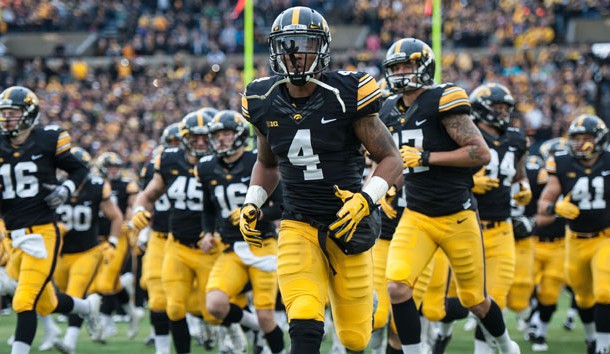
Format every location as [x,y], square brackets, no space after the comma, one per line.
[171,135]
[107,160]
[82,155]
[409,50]
[587,124]
[195,123]
[551,146]
[229,120]
[299,30]
[22,99]
[482,100]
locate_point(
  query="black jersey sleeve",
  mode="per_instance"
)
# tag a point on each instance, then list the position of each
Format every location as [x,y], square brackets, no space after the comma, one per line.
[66,161]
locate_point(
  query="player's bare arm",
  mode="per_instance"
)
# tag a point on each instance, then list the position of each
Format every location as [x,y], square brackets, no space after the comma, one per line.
[376,138]
[521,174]
[549,195]
[112,212]
[265,172]
[153,191]
[473,150]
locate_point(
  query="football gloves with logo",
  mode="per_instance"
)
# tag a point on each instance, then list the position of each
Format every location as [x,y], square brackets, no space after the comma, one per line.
[413,157]
[565,209]
[524,196]
[140,219]
[386,203]
[250,214]
[482,183]
[57,197]
[355,207]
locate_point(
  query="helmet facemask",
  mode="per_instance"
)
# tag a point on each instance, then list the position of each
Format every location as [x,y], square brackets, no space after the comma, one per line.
[588,135]
[401,82]
[299,54]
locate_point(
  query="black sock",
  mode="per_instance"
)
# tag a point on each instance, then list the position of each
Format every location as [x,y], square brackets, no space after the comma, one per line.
[390,350]
[181,336]
[122,297]
[406,318]
[493,321]
[75,321]
[454,310]
[234,316]
[306,336]
[602,318]
[275,339]
[65,304]
[108,304]
[478,333]
[546,312]
[160,322]
[26,327]
[586,315]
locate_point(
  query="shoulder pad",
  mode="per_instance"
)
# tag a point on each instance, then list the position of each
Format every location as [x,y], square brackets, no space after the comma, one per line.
[206,158]
[453,97]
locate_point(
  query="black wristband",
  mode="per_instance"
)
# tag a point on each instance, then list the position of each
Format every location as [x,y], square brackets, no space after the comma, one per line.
[372,206]
[425,158]
[551,209]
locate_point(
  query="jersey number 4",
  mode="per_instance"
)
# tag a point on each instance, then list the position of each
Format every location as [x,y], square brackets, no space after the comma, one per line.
[301,154]
[26,184]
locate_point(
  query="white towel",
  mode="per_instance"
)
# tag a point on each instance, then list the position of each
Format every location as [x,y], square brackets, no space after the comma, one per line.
[264,263]
[32,244]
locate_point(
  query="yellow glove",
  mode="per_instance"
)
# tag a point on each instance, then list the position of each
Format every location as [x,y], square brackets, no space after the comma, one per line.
[108,252]
[565,209]
[524,196]
[250,214]
[355,207]
[386,203]
[411,157]
[482,183]
[234,216]
[140,219]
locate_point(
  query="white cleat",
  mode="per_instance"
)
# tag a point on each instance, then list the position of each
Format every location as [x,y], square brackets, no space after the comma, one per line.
[93,321]
[64,348]
[134,323]
[471,323]
[10,340]
[238,339]
[50,338]
[514,348]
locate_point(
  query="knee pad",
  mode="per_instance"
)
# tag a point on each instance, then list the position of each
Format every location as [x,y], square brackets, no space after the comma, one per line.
[22,303]
[176,311]
[305,307]
[353,340]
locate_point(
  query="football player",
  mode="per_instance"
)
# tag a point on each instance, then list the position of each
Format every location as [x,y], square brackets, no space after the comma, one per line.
[549,250]
[184,260]
[108,280]
[225,176]
[442,147]
[580,175]
[29,156]
[310,126]
[153,258]
[81,254]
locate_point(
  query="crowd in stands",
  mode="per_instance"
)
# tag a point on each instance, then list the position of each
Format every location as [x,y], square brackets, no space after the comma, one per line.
[124,107]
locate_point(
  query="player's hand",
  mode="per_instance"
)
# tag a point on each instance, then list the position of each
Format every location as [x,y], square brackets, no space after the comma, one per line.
[58,196]
[140,219]
[207,243]
[386,203]
[108,252]
[355,207]
[566,210]
[234,216]
[411,157]
[249,216]
[524,196]
[482,183]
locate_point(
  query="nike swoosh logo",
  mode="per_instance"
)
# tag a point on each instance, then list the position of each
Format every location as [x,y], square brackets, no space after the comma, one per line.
[461,221]
[605,173]
[326,121]
[36,157]
[420,122]
[245,179]
[512,148]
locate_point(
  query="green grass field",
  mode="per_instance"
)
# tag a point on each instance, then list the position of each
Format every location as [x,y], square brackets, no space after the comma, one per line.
[560,340]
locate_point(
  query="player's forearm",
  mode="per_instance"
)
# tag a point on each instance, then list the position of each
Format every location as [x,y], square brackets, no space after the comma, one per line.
[77,172]
[544,206]
[543,220]
[467,156]
[143,200]
[265,176]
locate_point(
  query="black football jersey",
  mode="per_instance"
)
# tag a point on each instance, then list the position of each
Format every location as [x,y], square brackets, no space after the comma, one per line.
[538,177]
[587,188]
[160,219]
[80,215]
[27,175]
[431,190]
[184,192]
[224,189]
[314,142]
[122,188]
[506,151]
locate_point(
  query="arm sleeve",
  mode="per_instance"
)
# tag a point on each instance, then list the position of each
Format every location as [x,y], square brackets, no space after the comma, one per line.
[77,172]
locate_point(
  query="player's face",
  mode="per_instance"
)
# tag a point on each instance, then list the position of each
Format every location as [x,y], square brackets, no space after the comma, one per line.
[9,118]
[174,143]
[403,68]
[502,110]
[584,143]
[298,52]
[224,139]
[114,172]
[198,142]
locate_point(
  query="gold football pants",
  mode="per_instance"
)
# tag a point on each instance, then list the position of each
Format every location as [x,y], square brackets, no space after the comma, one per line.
[306,281]
[523,283]
[152,266]
[75,272]
[499,261]
[550,270]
